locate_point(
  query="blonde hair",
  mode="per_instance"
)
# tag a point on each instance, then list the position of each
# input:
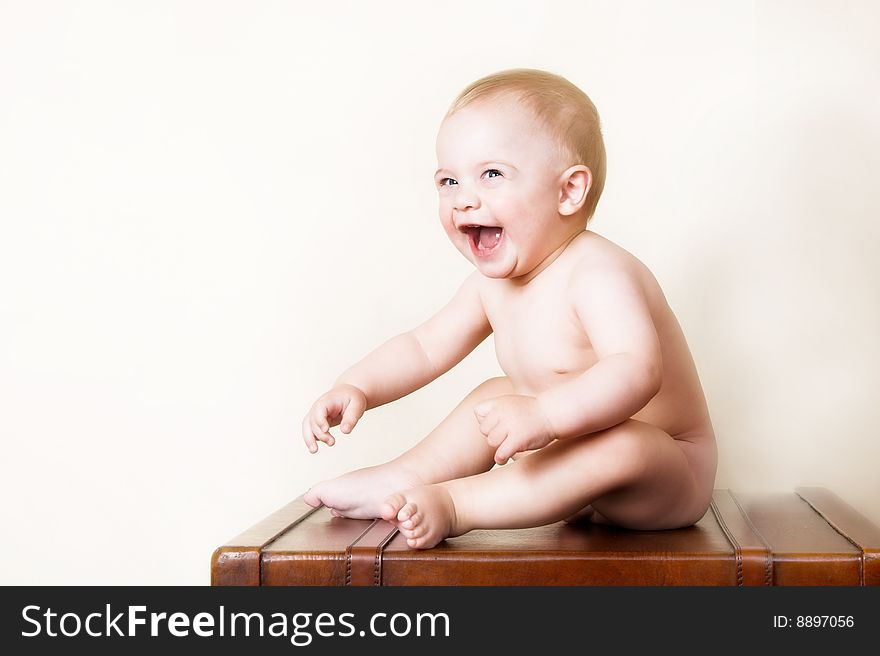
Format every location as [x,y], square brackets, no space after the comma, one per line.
[566,112]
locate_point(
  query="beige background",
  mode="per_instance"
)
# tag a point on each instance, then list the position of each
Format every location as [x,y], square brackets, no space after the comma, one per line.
[210,209]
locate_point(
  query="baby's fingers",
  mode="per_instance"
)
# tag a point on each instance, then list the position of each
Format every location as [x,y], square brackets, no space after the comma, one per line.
[488,423]
[354,410]
[496,436]
[308,435]
[311,431]
[327,411]
[321,430]
[505,452]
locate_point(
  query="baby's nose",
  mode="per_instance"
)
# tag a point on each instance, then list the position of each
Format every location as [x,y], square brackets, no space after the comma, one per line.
[466,199]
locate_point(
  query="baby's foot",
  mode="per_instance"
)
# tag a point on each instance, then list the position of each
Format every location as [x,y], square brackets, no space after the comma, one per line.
[359,494]
[425,515]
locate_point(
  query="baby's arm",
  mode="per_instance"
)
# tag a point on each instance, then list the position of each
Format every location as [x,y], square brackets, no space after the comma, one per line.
[615,314]
[413,359]
[403,364]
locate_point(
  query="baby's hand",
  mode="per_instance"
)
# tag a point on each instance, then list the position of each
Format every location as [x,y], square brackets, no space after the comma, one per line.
[513,423]
[343,403]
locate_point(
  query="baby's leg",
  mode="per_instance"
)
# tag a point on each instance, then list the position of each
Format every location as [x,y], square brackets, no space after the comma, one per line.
[454,449]
[633,474]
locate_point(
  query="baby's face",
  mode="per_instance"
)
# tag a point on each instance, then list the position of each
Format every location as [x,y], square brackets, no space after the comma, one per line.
[499,182]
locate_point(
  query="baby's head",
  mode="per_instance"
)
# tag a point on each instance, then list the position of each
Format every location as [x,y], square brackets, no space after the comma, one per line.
[521,168]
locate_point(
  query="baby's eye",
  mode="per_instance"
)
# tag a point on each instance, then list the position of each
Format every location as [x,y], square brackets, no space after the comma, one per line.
[445,182]
[493,171]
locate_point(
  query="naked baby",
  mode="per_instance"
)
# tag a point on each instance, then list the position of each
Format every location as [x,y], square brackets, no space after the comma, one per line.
[600,416]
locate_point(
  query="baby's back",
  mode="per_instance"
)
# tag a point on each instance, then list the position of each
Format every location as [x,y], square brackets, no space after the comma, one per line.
[540,341]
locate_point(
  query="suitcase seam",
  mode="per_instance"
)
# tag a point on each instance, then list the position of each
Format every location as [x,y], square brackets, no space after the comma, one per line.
[377,555]
[737,552]
[277,535]
[737,548]
[768,552]
[348,552]
[380,549]
[839,531]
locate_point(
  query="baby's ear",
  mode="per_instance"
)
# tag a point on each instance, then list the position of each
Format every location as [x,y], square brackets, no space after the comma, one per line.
[575,185]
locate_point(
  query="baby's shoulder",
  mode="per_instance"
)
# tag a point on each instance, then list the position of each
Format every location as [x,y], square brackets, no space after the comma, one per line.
[596,257]
[601,268]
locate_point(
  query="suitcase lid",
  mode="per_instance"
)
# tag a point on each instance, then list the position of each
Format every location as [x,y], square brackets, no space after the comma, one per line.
[808,538]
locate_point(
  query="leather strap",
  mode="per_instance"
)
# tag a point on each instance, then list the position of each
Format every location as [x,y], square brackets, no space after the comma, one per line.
[851,524]
[754,559]
[363,557]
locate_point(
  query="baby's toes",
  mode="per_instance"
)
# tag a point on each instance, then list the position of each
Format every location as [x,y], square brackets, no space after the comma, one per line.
[416,543]
[391,506]
[413,521]
[312,498]
[418,531]
[407,512]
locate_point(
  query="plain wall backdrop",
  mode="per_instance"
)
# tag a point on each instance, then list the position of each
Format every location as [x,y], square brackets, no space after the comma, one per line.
[209,209]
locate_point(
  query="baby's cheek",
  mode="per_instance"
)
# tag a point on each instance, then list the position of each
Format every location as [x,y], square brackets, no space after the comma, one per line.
[446,219]
[450,230]
[530,231]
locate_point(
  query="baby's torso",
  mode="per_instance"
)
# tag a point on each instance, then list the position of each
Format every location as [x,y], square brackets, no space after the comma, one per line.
[540,342]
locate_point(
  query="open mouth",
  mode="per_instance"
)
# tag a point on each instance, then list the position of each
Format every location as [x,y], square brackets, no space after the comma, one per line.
[484,240]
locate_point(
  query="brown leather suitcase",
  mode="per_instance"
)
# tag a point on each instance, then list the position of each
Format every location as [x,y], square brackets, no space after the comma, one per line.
[810,537]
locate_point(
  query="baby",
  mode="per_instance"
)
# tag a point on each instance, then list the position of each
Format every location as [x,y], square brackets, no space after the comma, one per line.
[601,409]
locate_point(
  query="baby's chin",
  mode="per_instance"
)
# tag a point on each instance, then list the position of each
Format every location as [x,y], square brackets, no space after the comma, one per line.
[497,270]
[496,275]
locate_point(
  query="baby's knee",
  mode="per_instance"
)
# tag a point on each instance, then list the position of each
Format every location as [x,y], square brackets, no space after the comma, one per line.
[497,386]
[633,447]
